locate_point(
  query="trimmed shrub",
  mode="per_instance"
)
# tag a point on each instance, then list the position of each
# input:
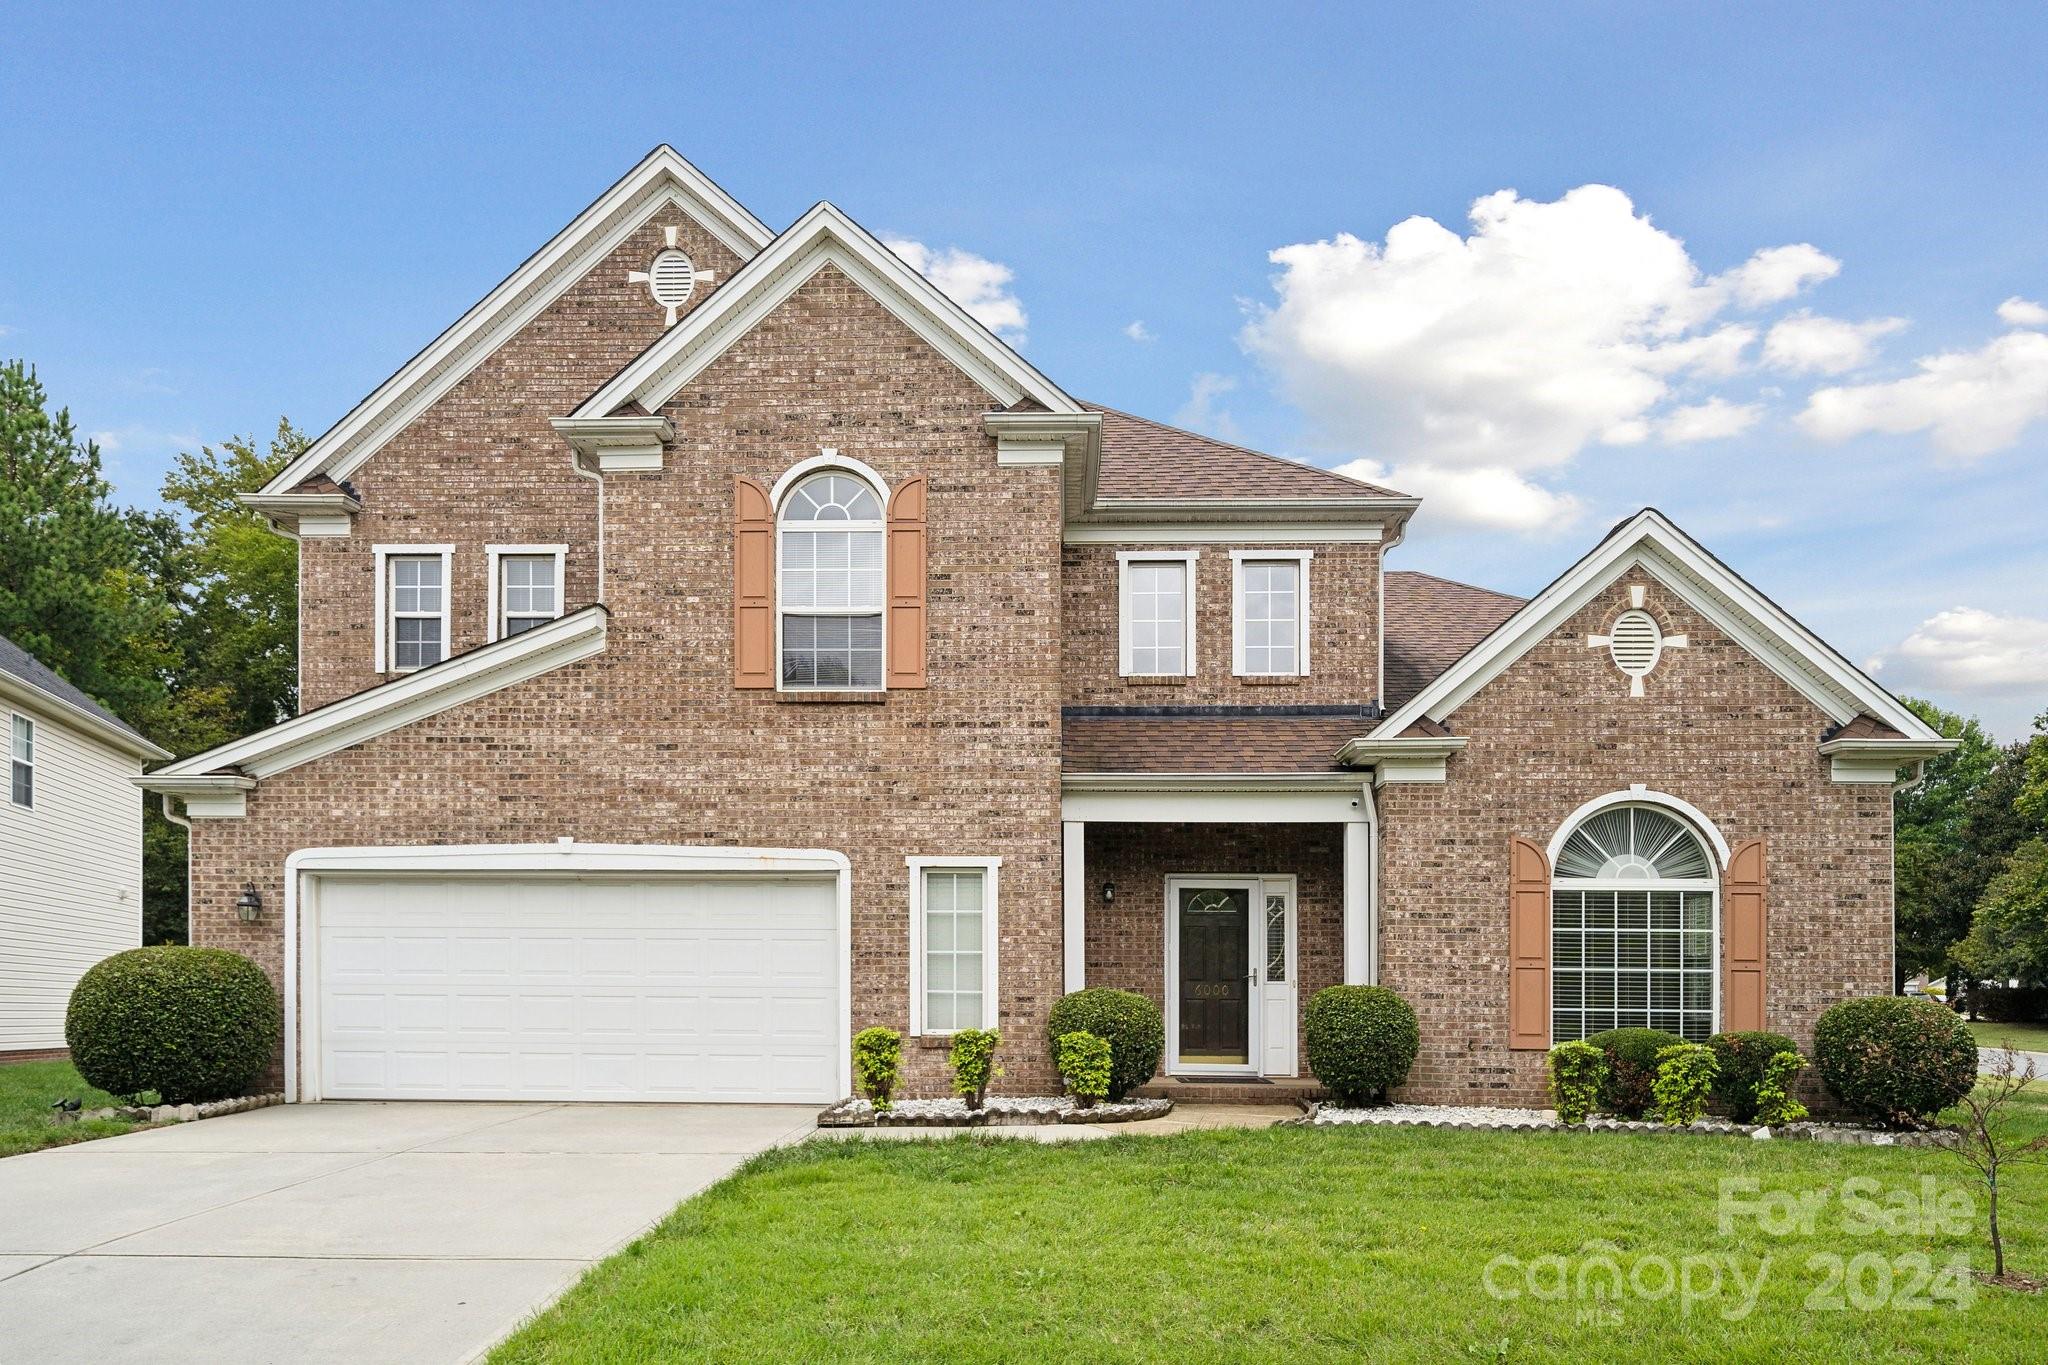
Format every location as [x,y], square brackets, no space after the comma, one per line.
[1741,1058]
[973,1059]
[1894,1058]
[1130,1023]
[1361,1041]
[1774,1103]
[192,1024]
[1631,1068]
[1576,1071]
[877,1062]
[2009,1004]
[1685,1078]
[1083,1060]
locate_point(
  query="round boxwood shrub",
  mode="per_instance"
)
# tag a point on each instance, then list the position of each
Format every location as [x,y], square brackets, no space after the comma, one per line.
[1742,1058]
[1361,1041]
[1894,1058]
[1631,1068]
[192,1024]
[1130,1023]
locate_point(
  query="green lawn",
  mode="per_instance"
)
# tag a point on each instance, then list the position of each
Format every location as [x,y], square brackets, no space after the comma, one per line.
[1305,1244]
[27,1090]
[2027,1037]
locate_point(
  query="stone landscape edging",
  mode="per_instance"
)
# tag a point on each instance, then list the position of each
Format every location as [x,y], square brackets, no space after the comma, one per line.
[1532,1121]
[181,1113]
[1000,1111]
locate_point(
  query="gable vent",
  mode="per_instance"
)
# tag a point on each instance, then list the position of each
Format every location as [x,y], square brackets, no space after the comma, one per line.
[1636,642]
[671,278]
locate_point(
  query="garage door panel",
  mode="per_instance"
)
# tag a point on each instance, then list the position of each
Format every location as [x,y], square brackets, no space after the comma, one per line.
[555,988]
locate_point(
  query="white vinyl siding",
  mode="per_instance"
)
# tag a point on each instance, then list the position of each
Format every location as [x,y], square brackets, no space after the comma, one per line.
[952,944]
[1269,612]
[1156,613]
[70,880]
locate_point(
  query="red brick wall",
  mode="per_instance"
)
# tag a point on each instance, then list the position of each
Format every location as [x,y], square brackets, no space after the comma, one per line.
[1716,728]
[1344,623]
[650,742]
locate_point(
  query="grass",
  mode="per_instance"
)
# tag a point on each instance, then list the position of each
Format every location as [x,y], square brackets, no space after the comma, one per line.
[1289,1243]
[27,1123]
[2026,1037]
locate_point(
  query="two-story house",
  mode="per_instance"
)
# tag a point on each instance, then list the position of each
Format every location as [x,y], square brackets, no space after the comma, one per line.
[717,642]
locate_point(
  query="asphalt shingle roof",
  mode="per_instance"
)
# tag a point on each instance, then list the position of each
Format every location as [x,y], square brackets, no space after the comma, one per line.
[18,663]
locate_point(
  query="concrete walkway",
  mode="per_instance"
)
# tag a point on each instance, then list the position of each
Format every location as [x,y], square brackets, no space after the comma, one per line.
[344,1231]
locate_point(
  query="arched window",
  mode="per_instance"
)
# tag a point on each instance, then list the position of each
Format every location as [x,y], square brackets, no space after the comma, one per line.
[830,583]
[1633,926]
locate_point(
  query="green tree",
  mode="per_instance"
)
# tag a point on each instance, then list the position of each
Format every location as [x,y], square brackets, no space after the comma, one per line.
[1928,819]
[2009,934]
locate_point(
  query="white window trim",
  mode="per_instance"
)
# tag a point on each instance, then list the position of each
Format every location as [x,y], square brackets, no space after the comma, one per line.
[1186,559]
[830,461]
[990,1011]
[29,762]
[384,554]
[1238,559]
[493,554]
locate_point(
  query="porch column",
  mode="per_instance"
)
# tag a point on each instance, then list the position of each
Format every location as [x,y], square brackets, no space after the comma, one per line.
[1074,921]
[1361,935]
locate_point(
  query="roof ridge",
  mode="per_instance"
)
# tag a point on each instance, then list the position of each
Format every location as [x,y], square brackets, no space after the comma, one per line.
[1373,488]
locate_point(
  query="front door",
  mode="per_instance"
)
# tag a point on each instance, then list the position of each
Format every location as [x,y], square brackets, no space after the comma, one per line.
[1213,975]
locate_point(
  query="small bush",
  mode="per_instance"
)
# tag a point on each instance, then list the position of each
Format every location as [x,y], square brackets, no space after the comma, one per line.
[1774,1103]
[1741,1058]
[1083,1060]
[1577,1071]
[877,1062]
[192,1024]
[1685,1078]
[973,1059]
[1128,1022]
[1631,1068]
[2009,1004]
[1894,1058]
[1361,1041]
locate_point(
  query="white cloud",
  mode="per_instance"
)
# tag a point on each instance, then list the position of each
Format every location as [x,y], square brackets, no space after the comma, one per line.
[1969,650]
[1714,420]
[979,285]
[138,438]
[1971,402]
[1200,412]
[1138,331]
[1494,498]
[2015,310]
[1471,362]
[1807,343]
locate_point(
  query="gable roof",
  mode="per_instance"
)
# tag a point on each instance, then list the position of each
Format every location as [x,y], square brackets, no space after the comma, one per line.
[1150,460]
[823,236]
[1651,540]
[663,177]
[1430,623]
[21,671]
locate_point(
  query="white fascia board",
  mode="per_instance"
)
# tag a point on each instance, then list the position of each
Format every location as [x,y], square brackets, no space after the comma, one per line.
[208,796]
[1224,533]
[568,856]
[415,696]
[1237,782]
[662,179]
[824,236]
[618,444]
[1879,760]
[1824,677]
[56,711]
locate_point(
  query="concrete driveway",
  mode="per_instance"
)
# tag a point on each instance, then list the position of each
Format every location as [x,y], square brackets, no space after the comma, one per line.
[342,1231]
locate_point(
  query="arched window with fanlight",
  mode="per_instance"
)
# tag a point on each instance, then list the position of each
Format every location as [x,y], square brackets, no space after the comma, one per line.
[1633,926]
[830,583]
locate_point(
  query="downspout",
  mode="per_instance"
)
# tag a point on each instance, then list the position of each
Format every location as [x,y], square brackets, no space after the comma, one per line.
[576,463]
[185,823]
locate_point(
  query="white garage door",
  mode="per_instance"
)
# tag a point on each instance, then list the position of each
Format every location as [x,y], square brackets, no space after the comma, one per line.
[562,988]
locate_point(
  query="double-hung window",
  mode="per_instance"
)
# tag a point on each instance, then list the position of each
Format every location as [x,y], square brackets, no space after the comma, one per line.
[952,944]
[526,586]
[831,546]
[412,604]
[1156,609]
[1269,630]
[21,774]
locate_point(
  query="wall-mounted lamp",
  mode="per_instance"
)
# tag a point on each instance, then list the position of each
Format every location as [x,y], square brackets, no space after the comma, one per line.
[249,905]
[1108,892]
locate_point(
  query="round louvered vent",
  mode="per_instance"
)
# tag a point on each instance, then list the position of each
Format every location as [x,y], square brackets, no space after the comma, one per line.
[671,278]
[1635,642]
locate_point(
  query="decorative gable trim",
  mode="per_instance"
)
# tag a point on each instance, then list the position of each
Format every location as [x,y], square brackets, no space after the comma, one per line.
[824,236]
[662,179]
[1649,540]
[379,710]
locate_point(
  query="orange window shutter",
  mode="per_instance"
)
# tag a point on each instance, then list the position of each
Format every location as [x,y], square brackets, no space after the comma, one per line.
[1743,923]
[753,586]
[1528,946]
[907,610]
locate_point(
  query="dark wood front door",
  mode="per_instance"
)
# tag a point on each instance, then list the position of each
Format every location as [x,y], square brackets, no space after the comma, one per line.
[1214,928]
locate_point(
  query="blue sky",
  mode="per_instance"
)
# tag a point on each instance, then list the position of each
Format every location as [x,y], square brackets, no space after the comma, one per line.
[214,217]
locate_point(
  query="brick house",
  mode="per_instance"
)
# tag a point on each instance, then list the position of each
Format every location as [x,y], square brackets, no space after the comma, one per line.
[716,642]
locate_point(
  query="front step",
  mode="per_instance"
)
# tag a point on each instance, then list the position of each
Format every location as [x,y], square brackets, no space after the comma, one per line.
[1232,1089]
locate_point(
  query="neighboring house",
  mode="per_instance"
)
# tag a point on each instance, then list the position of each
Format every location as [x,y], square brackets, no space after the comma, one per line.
[717,642]
[70,847]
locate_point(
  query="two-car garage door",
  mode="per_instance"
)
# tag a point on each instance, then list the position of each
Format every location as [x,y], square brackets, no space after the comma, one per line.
[566,987]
